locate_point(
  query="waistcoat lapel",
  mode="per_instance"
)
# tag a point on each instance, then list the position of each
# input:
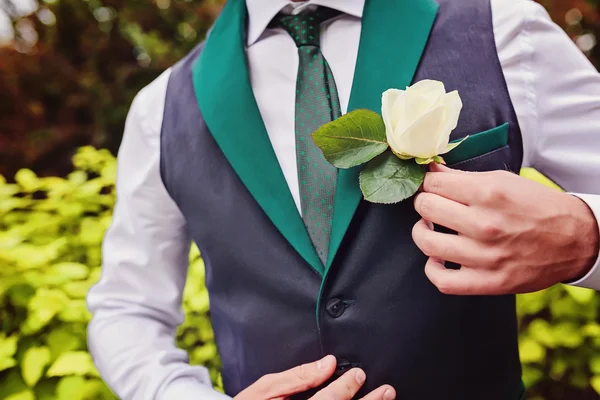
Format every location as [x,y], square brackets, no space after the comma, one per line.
[224,94]
[393,37]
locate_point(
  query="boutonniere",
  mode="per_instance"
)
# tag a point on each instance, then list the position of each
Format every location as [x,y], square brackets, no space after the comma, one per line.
[412,131]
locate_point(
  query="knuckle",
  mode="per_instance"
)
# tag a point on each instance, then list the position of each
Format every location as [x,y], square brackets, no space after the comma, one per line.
[433,183]
[496,258]
[302,378]
[423,205]
[427,245]
[301,373]
[490,229]
[494,194]
[503,283]
[265,379]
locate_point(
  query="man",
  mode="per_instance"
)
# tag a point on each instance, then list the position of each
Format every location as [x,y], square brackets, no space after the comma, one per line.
[216,151]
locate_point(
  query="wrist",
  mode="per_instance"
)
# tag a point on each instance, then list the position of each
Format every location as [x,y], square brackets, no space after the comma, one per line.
[587,238]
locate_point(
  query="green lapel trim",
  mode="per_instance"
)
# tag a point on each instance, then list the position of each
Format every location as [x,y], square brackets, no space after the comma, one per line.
[393,38]
[479,144]
[224,94]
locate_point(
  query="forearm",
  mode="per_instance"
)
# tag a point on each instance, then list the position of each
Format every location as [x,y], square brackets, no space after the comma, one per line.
[136,355]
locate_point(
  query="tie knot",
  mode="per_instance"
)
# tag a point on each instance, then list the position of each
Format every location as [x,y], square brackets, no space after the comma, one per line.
[305,28]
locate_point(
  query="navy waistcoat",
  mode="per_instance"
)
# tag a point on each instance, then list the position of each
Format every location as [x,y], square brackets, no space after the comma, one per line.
[375,308]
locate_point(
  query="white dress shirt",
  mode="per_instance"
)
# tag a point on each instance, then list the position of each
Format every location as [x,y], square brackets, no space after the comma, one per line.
[136,305]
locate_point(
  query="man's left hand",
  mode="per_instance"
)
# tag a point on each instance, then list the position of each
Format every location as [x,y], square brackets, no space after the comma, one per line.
[514,235]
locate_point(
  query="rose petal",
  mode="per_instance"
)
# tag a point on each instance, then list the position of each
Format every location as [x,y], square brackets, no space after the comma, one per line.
[453,105]
[421,138]
[452,146]
[388,99]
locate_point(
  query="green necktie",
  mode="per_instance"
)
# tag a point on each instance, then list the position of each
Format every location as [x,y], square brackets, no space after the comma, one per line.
[317,103]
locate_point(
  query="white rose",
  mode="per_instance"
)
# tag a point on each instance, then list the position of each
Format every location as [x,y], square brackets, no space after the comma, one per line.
[419,120]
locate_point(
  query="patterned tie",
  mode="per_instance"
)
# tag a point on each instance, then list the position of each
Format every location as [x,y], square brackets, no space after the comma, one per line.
[317,103]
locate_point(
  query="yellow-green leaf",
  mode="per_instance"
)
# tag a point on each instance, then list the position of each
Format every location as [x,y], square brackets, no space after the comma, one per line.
[70,388]
[75,311]
[595,383]
[7,362]
[34,361]
[72,363]
[531,351]
[27,179]
[8,345]
[580,295]
[534,175]
[568,334]
[592,329]
[541,331]
[24,395]
[62,340]
[69,271]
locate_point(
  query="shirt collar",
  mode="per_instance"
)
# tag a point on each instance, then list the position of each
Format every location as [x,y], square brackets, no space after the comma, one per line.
[262,12]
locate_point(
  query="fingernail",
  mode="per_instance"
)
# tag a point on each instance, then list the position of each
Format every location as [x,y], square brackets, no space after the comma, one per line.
[360,377]
[389,395]
[323,362]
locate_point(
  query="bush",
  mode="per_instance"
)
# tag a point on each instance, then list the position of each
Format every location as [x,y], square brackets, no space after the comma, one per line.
[50,235]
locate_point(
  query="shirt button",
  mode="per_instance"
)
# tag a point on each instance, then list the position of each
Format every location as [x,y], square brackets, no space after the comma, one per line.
[335,307]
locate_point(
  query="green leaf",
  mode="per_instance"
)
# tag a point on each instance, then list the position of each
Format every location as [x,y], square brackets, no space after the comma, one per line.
[580,295]
[7,362]
[70,388]
[75,311]
[8,345]
[72,363]
[24,395]
[352,139]
[67,271]
[541,331]
[531,351]
[27,179]
[592,329]
[595,383]
[62,340]
[11,382]
[568,334]
[33,364]
[426,161]
[388,179]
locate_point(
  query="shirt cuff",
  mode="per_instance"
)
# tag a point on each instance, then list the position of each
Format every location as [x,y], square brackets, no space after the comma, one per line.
[189,389]
[592,279]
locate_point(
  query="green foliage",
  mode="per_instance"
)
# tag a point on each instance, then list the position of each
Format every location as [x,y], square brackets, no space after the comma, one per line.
[51,230]
[353,139]
[50,235]
[387,179]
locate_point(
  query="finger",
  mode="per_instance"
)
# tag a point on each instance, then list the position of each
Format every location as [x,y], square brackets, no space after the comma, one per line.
[461,187]
[385,392]
[344,388]
[448,213]
[465,281]
[296,380]
[436,167]
[449,247]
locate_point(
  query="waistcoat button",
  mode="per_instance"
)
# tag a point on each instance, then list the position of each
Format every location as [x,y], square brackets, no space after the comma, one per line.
[335,307]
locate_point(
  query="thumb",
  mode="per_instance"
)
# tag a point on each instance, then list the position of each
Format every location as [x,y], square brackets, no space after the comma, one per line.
[298,379]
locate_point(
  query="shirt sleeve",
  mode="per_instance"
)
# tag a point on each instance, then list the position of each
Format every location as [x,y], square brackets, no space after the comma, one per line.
[136,305]
[556,94]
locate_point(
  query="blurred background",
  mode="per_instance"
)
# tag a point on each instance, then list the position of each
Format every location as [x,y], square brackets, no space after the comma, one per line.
[69,70]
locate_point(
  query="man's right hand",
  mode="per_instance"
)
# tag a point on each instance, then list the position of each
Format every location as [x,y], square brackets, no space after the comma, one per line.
[281,386]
